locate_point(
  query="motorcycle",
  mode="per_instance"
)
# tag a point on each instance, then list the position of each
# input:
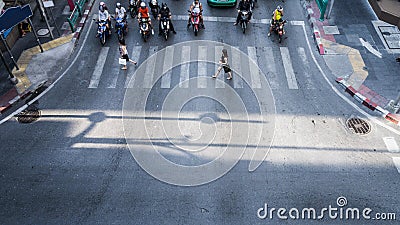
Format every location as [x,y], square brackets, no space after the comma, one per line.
[195,20]
[252,4]
[121,28]
[165,27]
[133,8]
[144,28]
[154,7]
[278,29]
[244,20]
[102,32]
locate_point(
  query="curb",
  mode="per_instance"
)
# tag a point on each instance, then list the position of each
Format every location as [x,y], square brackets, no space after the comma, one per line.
[316,33]
[27,92]
[82,22]
[367,102]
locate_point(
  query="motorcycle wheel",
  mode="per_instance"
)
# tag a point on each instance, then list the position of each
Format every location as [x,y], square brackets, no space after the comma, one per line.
[196,30]
[166,35]
[133,13]
[244,27]
[103,39]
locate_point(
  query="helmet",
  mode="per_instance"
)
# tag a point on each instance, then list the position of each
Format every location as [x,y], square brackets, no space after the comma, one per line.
[279,8]
[118,5]
[196,1]
[102,3]
[143,5]
[164,5]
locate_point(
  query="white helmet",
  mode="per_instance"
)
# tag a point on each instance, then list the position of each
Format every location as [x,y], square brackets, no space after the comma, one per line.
[118,5]
[142,4]
[279,8]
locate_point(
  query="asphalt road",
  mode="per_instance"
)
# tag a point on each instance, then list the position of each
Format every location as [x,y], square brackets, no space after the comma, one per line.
[276,134]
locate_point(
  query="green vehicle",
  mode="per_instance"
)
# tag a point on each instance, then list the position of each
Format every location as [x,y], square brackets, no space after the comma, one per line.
[221,3]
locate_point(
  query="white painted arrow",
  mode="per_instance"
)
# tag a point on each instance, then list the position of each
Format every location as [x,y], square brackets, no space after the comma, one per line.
[367,45]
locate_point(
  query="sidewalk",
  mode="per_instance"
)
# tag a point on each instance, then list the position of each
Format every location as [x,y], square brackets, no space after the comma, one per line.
[37,68]
[360,50]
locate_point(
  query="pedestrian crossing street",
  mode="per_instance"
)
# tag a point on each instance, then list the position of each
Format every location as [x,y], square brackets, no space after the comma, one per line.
[280,65]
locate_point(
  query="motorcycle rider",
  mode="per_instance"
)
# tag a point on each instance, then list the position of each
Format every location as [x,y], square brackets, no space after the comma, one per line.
[154,5]
[144,12]
[131,4]
[276,18]
[104,16]
[244,5]
[165,12]
[120,12]
[196,4]
[103,9]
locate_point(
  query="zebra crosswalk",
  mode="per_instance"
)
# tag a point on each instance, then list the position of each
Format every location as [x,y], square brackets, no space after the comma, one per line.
[179,64]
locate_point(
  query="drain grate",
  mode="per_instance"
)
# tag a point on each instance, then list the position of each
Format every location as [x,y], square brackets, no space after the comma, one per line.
[28,116]
[358,126]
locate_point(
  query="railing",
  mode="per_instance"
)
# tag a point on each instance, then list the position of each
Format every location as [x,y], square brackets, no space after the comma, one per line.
[76,14]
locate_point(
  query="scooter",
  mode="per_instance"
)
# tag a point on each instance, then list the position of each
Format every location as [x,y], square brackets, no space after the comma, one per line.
[244,19]
[144,28]
[121,28]
[278,29]
[165,27]
[133,8]
[154,7]
[195,20]
[102,32]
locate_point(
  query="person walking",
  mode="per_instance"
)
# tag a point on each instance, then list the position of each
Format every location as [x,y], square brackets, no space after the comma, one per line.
[223,64]
[124,54]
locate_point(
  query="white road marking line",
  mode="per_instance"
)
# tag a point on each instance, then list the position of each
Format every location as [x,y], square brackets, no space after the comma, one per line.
[217,54]
[167,67]
[371,49]
[135,57]
[98,70]
[302,53]
[202,67]
[114,72]
[237,68]
[396,161]
[184,75]
[287,65]
[270,67]
[233,19]
[391,144]
[254,72]
[150,68]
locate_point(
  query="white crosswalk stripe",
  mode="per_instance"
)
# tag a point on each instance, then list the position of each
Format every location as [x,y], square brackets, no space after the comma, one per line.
[302,53]
[167,68]
[94,82]
[217,57]
[135,55]
[237,68]
[202,67]
[269,66]
[241,65]
[254,71]
[150,68]
[184,75]
[287,64]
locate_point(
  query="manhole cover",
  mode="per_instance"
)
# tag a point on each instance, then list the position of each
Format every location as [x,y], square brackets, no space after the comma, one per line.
[28,116]
[43,32]
[358,126]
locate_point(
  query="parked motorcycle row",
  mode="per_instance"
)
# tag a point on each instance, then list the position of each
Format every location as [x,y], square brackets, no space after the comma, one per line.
[195,22]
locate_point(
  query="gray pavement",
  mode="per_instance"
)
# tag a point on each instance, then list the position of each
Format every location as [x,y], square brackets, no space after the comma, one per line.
[77,165]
